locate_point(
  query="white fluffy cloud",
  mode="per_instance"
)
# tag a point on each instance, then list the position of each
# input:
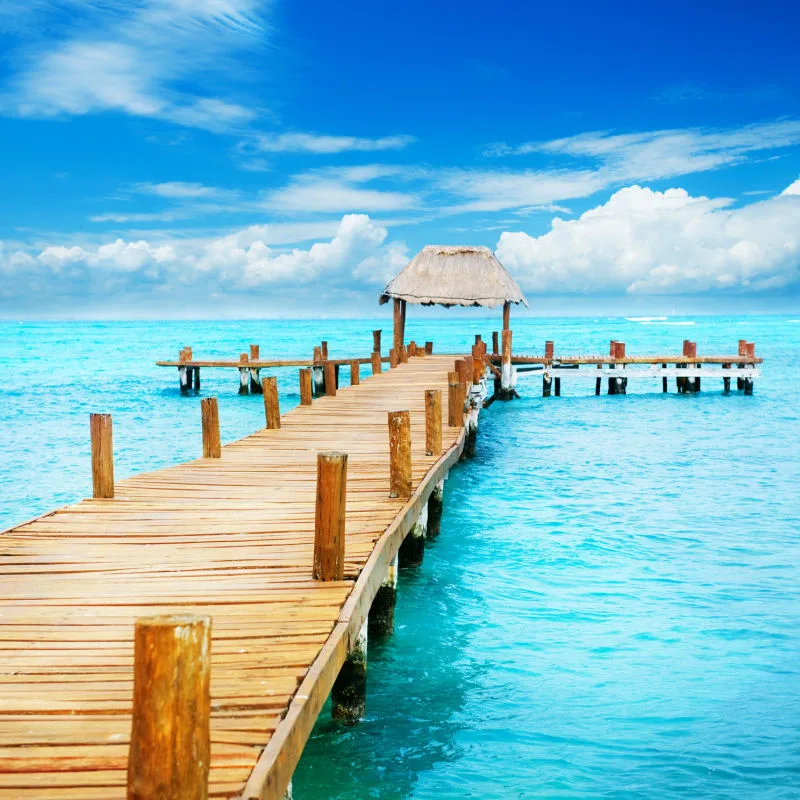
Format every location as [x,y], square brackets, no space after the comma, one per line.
[356,254]
[642,241]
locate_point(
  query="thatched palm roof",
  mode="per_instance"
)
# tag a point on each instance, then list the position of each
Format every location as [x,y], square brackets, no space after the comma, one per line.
[454,276]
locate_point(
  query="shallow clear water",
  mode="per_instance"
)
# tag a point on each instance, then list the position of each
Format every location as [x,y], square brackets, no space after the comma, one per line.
[612,607]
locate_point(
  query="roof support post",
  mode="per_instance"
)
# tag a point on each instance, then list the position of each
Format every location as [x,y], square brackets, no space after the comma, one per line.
[506,316]
[399,323]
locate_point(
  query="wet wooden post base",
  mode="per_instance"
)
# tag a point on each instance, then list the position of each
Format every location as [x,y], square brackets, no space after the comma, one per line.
[664,381]
[244,374]
[170,743]
[726,382]
[306,391]
[318,373]
[435,508]
[598,384]
[272,411]
[196,382]
[381,612]
[506,387]
[349,692]
[547,382]
[209,413]
[255,372]
[100,430]
[557,386]
[412,550]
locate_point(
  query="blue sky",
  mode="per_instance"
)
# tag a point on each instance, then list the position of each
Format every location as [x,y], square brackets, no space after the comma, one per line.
[235,157]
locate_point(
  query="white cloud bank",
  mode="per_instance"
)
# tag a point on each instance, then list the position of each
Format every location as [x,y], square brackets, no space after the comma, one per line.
[648,242]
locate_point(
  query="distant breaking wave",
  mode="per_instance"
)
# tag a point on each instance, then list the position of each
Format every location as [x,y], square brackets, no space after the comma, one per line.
[686,322]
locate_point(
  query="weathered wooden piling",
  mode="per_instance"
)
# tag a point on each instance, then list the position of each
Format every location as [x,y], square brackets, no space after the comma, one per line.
[435,508]
[355,373]
[306,392]
[209,414]
[394,358]
[403,354]
[726,381]
[377,366]
[196,376]
[170,744]
[318,372]
[101,434]
[376,341]
[455,403]
[742,352]
[664,382]
[506,377]
[478,366]
[598,383]
[349,692]
[549,349]
[272,411]
[433,422]
[323,347]
[400,454]
[330,378]
[506,316]
[428,348]
[557,386]
[330,512]
[244,374]
[255,372]
[412,550]
[547,383]
[461,369]
[412,349]
[381,612]
[495,344]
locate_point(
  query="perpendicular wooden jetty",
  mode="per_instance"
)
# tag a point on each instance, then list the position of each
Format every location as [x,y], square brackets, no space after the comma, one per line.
[253,549]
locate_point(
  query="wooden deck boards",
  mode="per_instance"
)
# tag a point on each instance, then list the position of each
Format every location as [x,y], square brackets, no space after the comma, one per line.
[231,538]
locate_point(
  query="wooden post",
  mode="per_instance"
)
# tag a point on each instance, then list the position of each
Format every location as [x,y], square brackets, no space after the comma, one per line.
[557,386]
[549,348]
[244,375]
[664,382]
[394,358]
[547,383]
[330,378]
[455,400]
[622,383]
[399,454]
[196,386]
[376,341]
[506,388]
[433,422]
[355,373]
[469,367]
[170,736]
[255,352]
[209,413]
[495,344]
[403,354]
[323,348]
[399,323]
[506,316]
[381,612]
[272,410]
[100,430]
[461,369]
[428,348]
[478,367]
[377,366]
[726,382]
[412,349]
[305,387]
[329,524]
[183,372]
[318,373]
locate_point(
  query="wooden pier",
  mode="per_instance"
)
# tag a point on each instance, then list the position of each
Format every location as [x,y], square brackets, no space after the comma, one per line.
[230,538]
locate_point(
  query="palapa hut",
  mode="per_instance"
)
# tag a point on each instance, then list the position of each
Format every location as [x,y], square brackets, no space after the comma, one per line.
[451,276]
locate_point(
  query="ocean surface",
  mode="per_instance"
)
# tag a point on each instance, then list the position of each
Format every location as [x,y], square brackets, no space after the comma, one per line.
[612,609]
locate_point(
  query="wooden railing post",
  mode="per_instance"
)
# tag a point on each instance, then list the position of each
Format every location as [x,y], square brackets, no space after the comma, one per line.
[255,352]
[244,374]
[433,422]
[455,400]
[272,409]
[428,348]
[324,350]
[170,736]
[355,373]
[400,454]
[306,392]
[376,341]
[329,525]
[394,358]
[330,378]
[495,343]
[209,414]
[377,366]
[506,389]
[549,349]
[403,354]
[100,429]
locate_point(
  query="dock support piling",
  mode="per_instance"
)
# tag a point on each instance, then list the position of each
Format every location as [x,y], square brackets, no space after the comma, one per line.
[547,382]
[506,370]
[495,344]
[377,366]
[412,550]
[170,743]
[428,348]
[726,382]
[400,454]
[748,386]
[349,692]
[435,507]
[455,403]
[598,384]
[433,422]
[183,377]
[557,386]
[376,342]
[329,520]
[381,612]
[306,392]
[506,316]
[355,373]
[272,410]
[101,432]
[255,380]
[209,413]
[664,382]
[196,382]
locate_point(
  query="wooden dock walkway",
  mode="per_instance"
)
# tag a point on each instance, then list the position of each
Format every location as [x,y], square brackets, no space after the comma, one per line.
[231,538]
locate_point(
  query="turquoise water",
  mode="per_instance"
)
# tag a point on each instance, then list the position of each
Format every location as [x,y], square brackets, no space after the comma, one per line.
[612,608]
